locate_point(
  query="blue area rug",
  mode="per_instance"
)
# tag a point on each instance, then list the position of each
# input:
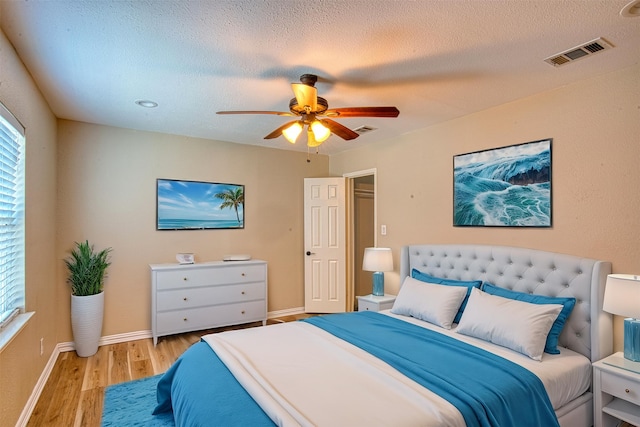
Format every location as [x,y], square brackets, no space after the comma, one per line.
[131,404]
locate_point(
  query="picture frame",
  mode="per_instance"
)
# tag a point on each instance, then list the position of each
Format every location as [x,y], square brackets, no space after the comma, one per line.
[503,187]
[198,205]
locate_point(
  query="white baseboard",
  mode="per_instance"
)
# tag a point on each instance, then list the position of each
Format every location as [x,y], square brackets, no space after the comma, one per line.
[110,339]
[139,335]
[106,340]
[37,390]
[127,336]
[61,348]
[286,312]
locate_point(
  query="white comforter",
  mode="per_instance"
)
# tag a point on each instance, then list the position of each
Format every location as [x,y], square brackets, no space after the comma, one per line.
[347,386]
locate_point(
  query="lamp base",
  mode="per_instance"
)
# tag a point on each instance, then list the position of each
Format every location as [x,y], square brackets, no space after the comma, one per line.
[632,339]
[378,283]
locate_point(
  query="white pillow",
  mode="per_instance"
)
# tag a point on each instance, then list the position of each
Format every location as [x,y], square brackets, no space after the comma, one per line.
[437,304]
[518,325]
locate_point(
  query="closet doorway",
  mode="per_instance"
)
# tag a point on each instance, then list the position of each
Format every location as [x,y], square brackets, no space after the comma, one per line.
[362,226]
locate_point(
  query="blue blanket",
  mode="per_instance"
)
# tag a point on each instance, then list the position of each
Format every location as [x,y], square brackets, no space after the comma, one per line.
[488,390]
[202,392]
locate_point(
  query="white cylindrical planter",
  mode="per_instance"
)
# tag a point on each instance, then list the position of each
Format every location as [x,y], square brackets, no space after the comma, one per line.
[86,322]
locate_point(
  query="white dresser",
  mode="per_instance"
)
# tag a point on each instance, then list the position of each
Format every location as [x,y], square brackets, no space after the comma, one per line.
[207,295]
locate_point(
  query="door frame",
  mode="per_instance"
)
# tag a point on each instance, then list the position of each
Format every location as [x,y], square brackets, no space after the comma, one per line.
[351,268]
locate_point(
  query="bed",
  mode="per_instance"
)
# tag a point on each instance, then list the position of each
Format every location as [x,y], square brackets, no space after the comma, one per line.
[413,364]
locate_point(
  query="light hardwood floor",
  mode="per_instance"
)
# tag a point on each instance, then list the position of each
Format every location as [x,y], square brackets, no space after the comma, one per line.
[74,392]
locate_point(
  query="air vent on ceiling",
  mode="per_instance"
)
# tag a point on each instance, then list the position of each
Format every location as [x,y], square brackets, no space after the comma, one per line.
[579,52]
[364,129]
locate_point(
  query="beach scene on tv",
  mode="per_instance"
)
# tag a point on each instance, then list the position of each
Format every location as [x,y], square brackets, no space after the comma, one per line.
[194,205]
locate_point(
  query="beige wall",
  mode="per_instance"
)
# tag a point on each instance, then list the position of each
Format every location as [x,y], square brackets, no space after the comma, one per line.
[102,180]
[21,362]
[595,126]
[107,194]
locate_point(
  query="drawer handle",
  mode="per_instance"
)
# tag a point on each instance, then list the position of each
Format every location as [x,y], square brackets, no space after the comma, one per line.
[185,298]
[242,274]
[184,278]
[242,311]
[626,390]
[184,320]
[242,292]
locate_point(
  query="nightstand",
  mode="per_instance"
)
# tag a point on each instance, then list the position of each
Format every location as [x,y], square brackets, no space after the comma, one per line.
[375,302]
[616,391]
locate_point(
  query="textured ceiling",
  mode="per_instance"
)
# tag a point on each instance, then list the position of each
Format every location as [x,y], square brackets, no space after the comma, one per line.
[434,60]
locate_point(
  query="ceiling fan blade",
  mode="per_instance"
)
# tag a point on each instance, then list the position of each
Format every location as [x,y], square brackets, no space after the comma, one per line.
[363,112]
[277,113]
[278,132]
[305,95]
[340,130]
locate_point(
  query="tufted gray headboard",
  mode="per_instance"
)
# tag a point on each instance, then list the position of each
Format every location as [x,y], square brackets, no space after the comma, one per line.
[588,331]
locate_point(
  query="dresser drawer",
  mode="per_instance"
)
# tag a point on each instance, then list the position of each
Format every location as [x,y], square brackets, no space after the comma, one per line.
[208,295]
[620,387]
[197,297]
[190,277]
[170,322]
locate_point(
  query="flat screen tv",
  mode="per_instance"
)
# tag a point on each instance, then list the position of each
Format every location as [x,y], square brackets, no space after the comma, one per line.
[197,205]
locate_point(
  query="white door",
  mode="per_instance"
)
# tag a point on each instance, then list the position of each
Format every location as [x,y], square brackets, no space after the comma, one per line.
[325,247]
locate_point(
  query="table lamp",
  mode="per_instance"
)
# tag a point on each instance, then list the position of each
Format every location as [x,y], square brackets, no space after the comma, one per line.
[622,297]
[377,260]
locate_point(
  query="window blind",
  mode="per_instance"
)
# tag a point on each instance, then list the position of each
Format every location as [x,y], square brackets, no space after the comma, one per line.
[11,217]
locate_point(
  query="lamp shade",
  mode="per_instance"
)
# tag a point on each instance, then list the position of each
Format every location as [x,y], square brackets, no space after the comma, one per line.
[377,259]
[291,133]
[622,295]
[311,139]
[320,131]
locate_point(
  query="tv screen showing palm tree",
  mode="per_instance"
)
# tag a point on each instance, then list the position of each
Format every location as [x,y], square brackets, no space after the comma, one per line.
[195,205]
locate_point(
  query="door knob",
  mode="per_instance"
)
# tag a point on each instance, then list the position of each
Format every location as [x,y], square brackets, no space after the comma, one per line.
[309,253]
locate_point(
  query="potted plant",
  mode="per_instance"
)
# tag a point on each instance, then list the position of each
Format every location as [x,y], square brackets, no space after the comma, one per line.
[87,270]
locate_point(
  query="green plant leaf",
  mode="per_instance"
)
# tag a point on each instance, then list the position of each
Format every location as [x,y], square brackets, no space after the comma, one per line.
[87,269]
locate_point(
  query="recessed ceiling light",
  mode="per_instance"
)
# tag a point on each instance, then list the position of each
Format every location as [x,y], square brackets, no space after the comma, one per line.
[631,10]
[146,103]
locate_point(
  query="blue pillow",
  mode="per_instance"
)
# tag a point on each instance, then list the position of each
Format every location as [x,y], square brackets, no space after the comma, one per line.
[551,346]
[424,277]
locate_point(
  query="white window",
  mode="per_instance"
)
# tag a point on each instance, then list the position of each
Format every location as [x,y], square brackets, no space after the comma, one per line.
[11,217]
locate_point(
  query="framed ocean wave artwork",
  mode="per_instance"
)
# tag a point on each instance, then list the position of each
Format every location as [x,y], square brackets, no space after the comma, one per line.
[503,187]
[196,205]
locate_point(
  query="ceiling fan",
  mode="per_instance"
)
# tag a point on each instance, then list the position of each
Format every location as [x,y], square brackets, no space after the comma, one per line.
[314,112]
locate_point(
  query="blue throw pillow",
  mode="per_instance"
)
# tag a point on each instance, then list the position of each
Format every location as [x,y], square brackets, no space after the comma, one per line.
[424,277]
[551,346]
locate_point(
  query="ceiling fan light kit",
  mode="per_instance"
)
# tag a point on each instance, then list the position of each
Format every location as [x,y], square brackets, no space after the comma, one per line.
[311,140]
[291,133]
[309,107]
[320,132]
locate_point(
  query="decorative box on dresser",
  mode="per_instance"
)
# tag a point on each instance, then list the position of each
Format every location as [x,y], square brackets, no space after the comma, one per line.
[191,297]
[616,390]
